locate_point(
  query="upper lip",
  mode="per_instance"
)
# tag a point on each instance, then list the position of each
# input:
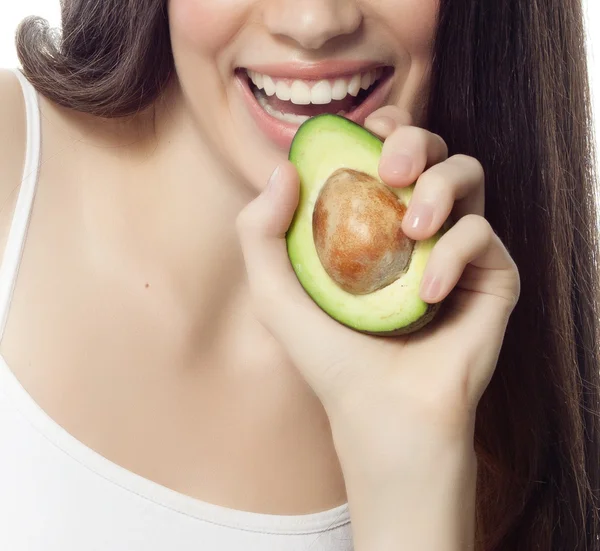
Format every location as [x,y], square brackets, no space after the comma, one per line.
[315,71]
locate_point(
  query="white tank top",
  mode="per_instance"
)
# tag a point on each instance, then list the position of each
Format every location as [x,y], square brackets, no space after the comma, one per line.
[56,494]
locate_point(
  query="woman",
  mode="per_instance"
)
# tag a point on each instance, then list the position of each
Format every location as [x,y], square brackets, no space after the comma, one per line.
[167,384]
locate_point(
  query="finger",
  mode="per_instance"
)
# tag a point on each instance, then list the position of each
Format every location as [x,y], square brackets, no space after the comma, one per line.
[407,152]
[386,119]
[471,242]
[471,260]
[261,227]
[455,186]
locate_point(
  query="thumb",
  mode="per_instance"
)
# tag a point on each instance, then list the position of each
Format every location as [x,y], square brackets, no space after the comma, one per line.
[270,214]
[261,227]
[279,301]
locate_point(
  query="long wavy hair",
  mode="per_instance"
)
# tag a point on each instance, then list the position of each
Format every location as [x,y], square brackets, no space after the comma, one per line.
[509,87]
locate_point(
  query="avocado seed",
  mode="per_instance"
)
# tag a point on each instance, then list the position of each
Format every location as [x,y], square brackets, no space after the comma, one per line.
[357,232]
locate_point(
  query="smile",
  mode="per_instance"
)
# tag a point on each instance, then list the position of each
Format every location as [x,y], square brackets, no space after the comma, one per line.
[280,104]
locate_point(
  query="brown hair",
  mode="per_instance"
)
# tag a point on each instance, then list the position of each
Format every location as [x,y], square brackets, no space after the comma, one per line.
[111,58]
[509,87]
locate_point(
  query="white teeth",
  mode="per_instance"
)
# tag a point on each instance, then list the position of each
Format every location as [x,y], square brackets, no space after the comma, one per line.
[300,93]
[354,86]
[290,117]
[258,80]
[286,117]
[321,93]
[282,91]
[339,90]
[269,85]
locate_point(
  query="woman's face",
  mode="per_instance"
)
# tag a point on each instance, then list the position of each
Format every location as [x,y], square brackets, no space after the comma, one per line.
[252,70]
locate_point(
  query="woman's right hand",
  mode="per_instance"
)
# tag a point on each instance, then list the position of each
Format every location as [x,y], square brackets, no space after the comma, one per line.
[402,409]
[442,369]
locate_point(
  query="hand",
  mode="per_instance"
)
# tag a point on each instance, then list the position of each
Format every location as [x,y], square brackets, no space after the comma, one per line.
[411,389]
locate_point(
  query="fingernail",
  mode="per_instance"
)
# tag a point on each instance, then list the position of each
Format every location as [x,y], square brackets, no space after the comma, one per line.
[430,287]
[419,216]
[399,165]
[273,180]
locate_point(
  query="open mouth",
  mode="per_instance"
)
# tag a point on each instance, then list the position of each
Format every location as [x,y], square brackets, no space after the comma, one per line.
[281,105]
[295,101]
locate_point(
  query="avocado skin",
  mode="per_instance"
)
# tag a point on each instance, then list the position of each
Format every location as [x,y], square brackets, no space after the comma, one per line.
[341,132]
[424,320]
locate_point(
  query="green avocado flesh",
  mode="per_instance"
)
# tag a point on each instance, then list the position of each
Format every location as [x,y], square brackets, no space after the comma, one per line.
[323,145]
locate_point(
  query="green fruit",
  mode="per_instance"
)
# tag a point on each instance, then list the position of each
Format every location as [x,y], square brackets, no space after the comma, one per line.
[345,242]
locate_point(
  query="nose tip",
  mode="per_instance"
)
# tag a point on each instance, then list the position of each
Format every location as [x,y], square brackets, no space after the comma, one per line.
[313,31]
[312,23]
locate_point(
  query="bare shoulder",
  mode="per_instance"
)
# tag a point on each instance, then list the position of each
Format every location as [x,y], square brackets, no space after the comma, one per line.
[13,135]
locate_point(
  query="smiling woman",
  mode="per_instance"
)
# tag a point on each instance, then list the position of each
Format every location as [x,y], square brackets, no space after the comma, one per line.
[181,390]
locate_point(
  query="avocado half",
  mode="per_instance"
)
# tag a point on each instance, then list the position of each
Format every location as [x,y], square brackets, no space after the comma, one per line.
[337,161]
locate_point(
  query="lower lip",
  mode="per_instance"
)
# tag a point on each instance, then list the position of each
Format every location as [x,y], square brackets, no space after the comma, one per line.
[282,133]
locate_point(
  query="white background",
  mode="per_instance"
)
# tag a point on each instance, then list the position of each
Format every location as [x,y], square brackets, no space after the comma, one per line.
[11,13]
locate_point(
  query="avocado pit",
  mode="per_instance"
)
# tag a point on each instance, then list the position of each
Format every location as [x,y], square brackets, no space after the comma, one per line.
[357,229]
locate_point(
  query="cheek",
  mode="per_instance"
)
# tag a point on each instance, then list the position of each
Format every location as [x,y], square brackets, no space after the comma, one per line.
[413,20]
[208,25]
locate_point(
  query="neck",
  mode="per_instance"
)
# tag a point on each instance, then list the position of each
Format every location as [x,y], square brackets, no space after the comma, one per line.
[181,201]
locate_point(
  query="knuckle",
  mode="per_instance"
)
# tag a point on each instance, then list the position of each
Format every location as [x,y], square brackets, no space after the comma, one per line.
[448,403]
[478,226]
[470,164]
[421,136]
[410,138]
[441,144]
[407,118]
[436,183]
[513,299]
[507,286]
[509,293]
[515,285]
[419,141]
[449,255]
[445,251]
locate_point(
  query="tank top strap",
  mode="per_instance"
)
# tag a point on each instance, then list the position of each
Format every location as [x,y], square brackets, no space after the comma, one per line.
[15,244]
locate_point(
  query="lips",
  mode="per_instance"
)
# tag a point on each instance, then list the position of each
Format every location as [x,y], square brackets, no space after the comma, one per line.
[280,98]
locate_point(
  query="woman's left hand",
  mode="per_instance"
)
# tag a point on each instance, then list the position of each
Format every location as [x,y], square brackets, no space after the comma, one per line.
[405,389]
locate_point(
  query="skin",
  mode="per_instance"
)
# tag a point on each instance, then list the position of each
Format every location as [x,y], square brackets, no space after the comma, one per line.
[200,330]
[210,39]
